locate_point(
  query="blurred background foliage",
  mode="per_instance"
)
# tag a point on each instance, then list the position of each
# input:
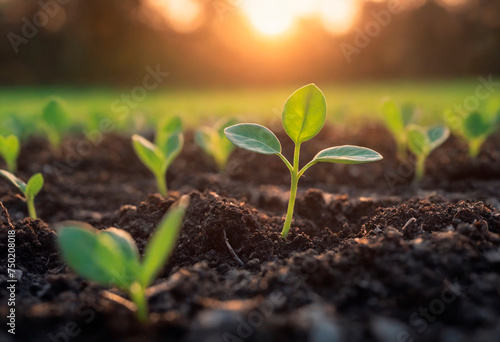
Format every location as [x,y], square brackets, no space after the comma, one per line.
[220,43]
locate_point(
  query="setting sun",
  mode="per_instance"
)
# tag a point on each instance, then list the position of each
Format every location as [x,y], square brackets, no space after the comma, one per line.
[277,17]
[269,17]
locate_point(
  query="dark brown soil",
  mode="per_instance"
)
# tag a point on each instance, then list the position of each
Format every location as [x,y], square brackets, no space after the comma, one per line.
[368,258]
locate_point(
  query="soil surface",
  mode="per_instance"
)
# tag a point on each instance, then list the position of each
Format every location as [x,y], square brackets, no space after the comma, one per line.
[369,258]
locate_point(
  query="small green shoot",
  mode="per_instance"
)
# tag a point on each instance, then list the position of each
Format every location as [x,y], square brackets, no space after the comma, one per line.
[29,190]
[214,142]
[304,115]
[9,150]
[55,118]
[111,258]
[396,120]
[159,155]
[477,127]
[422,142]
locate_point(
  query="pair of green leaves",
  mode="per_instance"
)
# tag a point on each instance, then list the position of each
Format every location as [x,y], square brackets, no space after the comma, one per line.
[422,141]
[213,141]
[29,190]
[303,118]
[56,120]
[158,156]
[396,120]
[111,258]
[476,127]
[9,150]
[257,138]
[304,115]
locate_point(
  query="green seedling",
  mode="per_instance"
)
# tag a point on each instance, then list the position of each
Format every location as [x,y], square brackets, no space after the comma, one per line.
[111,258]
[396,120]
[422,142]
[29,190]
[159,155]
[304,115]
[477,127]
[214,142]
[9,150]
[55,118]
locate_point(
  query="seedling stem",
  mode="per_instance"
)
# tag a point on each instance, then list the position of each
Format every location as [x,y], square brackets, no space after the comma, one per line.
[303,117]
[31,208]
[138,295]
[419,169]
[162,184]
[293,192]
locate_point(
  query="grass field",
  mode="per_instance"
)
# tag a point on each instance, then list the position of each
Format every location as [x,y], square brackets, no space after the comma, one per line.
[348,103]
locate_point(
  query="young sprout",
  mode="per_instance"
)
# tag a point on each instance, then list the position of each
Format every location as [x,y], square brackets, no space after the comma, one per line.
[158,156]
[303,117]
[396,120]
[214,142]
[9,150]
[476,127]
[55,118]
[422,142]
[111,258]
[29,190]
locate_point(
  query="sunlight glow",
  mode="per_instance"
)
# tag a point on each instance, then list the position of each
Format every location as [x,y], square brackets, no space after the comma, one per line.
[278,16]
[269,17]
[182,15]
[337,16]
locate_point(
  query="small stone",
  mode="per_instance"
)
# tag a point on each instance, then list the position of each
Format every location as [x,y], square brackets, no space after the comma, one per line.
[393,233]
[493,256]
[390,330]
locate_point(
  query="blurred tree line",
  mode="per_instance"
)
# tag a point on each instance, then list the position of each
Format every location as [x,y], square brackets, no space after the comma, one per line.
[111,42]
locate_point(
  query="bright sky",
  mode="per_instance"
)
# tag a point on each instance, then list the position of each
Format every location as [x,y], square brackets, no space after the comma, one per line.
[268,17]
[274,17]
[277,16]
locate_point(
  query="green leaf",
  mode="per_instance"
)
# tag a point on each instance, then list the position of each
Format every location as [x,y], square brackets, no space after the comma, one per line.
[407,113]
[162,243]
[35,184]
[347,154]
[19,184]
[223,124]
[422,141]
[490,109]
[148,153]
[475,126]
[214,142]
[97,257]
[253,137]
[304,113]
[166,130]
[206,139]
[393,118]
[437,136]
[54,114]
[129,253]
[496,120]
[172,148]
[9,150]
[418,140]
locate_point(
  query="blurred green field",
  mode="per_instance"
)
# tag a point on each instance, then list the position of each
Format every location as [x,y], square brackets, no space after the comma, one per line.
[348,104]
